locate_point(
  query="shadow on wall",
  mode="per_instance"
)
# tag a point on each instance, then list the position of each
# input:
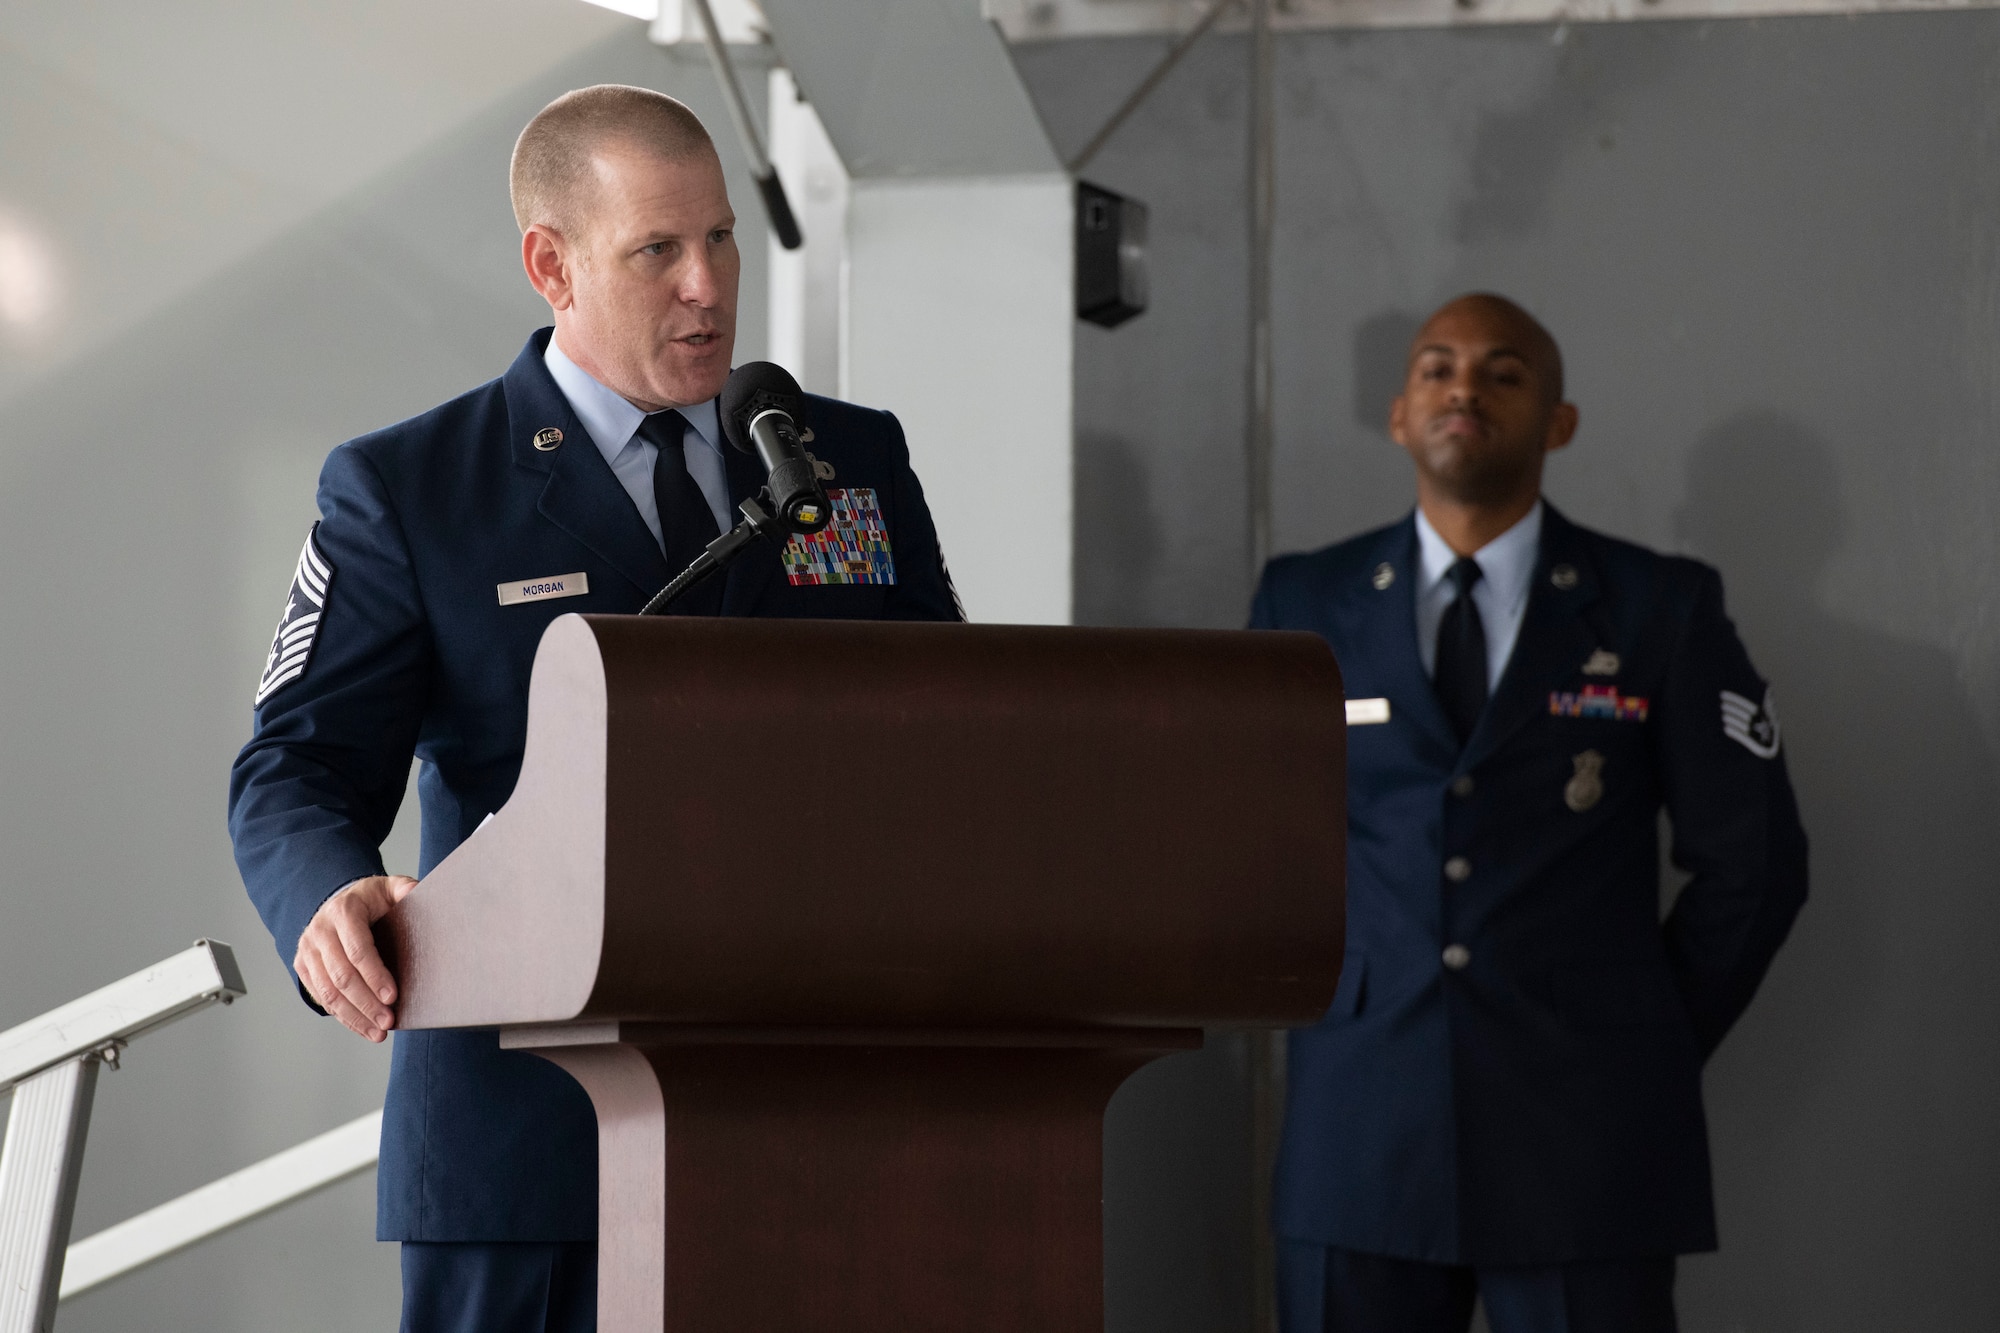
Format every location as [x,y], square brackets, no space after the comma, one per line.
[1519,153]
[1862,1078]
[1381,364]
[1177,1204]
[1118,542]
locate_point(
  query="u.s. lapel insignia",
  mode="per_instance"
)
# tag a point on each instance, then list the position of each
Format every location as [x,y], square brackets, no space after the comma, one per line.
[1586,787]
[1385,574]
[1564,577]
[1603,662]
[547,438]
[821,469]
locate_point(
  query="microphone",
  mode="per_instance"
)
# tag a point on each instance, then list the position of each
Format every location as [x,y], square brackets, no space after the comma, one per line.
[761,405]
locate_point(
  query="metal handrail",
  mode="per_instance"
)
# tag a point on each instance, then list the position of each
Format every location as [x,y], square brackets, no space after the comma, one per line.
[51,1063]
[222,1204]
[113,1015]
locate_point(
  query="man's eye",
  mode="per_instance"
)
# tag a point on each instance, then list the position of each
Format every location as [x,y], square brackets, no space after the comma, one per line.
[656,248]
[718,236]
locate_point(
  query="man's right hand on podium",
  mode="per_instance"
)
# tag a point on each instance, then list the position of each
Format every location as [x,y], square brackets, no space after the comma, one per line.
[337,961]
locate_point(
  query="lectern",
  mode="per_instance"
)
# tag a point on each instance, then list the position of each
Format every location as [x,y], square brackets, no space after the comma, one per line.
[851,929]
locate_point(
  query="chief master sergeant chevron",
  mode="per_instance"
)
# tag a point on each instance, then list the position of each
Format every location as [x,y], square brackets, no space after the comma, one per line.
[580,480]
[1504,1100]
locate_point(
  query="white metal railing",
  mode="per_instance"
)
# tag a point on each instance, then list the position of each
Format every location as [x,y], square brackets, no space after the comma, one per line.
[114,1015]
[51,1063]
[222,1204]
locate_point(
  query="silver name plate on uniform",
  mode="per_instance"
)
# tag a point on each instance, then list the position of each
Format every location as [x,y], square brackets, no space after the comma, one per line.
[1361,712]
[553,585]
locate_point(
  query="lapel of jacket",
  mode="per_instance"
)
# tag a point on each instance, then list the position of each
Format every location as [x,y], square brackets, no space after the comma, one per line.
[1556,635]
[746,580]
[1385,630]
[582,495]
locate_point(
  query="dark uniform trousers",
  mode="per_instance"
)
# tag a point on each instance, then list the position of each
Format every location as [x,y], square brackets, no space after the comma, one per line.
[446,545]
[460,1287]
[1340,1291]
[1504,1099]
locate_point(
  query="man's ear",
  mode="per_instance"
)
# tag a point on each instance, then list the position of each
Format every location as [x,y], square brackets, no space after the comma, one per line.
[1562,427]
[1399,417]
[545,256]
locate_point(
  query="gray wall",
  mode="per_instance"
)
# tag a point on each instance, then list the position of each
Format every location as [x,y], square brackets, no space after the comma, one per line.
[1771,250]
[275,227]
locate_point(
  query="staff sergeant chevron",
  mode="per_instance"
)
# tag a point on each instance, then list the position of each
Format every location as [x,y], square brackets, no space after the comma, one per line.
[1752,726]
[298,628]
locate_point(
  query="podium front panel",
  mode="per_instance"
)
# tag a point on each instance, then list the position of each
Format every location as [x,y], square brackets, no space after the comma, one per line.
[807,823]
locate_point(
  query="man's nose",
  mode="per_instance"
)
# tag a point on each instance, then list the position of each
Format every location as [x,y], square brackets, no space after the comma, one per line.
[698,283]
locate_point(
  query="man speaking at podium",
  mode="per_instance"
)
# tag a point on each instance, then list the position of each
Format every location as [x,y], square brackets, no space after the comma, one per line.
[1504,1099]
[583,479]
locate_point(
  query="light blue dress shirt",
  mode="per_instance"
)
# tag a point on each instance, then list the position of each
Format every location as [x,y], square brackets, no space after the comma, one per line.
[1506,568]
[613,424]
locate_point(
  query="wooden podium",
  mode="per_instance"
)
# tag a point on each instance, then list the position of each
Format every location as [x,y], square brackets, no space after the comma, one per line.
[851,929]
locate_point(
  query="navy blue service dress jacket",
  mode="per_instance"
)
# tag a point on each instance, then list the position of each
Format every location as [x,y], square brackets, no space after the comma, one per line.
[413,652]
[1510,1071]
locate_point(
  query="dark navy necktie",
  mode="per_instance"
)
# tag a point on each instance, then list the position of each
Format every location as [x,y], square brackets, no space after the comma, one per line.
[1460,675]
[687,524]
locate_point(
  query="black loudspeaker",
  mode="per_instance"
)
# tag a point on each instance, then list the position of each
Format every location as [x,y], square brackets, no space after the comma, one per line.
[1110,256]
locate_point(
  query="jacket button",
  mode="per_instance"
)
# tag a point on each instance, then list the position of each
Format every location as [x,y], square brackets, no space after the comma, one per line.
[1458,870]
[1456,956]
[1462,785]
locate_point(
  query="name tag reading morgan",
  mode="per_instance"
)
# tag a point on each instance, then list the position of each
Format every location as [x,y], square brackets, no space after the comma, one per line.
[1365,712]
[544,588]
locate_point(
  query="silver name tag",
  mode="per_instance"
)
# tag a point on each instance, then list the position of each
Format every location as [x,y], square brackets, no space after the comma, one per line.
[540,590]
[1362,712]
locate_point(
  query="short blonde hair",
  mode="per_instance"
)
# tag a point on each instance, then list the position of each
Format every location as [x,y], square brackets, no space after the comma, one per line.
[551,166]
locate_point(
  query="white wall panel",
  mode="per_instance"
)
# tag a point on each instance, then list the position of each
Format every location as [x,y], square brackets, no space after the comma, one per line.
[959,320]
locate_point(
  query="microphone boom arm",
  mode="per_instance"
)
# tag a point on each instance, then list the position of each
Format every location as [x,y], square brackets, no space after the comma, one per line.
[719,554]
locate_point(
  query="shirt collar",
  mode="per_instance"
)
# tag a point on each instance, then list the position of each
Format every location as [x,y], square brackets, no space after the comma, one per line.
[1506,564]
[608,417]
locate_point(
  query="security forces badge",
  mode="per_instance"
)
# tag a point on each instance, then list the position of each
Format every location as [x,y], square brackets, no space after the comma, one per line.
[1586,788]
[298,629]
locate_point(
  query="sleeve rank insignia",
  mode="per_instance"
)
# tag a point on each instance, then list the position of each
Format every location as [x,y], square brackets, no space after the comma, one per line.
[853,548]
[1752,726]
[298,629]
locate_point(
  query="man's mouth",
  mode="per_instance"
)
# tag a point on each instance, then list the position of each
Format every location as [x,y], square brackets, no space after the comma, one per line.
[700,339]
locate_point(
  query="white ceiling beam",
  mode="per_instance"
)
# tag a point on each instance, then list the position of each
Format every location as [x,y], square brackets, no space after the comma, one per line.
[912,87]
